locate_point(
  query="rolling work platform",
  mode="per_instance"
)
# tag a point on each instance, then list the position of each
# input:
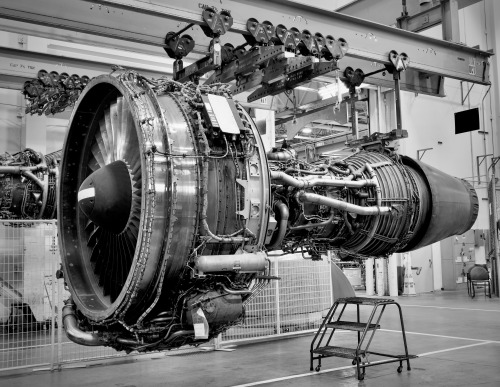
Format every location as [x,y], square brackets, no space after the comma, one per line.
[321,346]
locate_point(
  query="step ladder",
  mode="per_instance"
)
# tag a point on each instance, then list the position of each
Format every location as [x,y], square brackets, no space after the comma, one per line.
[321,346]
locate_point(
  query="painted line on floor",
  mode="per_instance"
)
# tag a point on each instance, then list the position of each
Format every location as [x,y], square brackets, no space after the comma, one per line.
[441,336]
[293,377]
[312,373]
[455,348]
[451,308]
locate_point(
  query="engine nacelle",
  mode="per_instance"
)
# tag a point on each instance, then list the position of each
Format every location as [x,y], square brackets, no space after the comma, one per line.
[167,206]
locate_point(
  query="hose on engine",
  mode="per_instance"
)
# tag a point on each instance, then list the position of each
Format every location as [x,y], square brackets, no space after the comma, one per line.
[282,215]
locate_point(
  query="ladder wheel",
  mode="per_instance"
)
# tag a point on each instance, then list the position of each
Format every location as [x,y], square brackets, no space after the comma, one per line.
[400,369]
[318,367]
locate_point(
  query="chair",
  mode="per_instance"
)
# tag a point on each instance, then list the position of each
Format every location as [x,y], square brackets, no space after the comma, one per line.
[478,276]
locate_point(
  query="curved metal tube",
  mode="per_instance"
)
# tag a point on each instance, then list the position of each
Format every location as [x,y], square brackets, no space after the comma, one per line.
[44,185]
[341,205]
[281,209]
[74,333]
[127,342]
[225,238]
[320,181]
[337,170]
[174,335]
[306,172]
[161,319]
[237,292]
[378,197]
[45,195]
[314,225]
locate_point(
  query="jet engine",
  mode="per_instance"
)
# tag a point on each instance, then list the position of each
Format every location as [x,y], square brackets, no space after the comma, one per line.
[28,185]
[168,203]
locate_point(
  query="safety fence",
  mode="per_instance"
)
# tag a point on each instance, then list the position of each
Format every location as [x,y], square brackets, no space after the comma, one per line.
[31,301]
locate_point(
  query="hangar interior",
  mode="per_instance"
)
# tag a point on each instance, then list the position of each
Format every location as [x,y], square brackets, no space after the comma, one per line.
[191,191]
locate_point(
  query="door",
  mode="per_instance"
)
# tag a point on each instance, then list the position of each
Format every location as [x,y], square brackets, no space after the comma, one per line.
[421,263]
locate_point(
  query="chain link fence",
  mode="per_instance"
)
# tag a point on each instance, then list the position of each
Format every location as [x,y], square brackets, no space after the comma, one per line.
[31,301]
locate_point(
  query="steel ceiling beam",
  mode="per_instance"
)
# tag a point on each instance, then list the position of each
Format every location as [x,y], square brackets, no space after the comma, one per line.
[148,22]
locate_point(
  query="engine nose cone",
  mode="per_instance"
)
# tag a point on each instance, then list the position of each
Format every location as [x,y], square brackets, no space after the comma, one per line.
[105,196]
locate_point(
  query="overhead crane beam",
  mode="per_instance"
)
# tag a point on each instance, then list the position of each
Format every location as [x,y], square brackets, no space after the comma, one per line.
[147,23]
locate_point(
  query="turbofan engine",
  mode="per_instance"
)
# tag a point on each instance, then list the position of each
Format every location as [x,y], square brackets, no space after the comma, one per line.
[167,206]
[28,185]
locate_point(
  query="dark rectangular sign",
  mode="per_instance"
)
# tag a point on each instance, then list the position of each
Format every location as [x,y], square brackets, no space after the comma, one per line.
[467,121]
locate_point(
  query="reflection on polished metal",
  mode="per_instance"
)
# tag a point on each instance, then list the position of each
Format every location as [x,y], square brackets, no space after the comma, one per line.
[167,207]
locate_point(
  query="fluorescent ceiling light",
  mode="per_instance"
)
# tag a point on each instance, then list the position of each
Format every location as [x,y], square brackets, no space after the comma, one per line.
[305,88]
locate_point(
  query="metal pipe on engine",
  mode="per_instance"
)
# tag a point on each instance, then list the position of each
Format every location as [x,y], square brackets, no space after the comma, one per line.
[243,263]
[327,181]
[17,170]
[341,205]
[282,210]
[314,225]
[241,292]
[378,200]
[74,333]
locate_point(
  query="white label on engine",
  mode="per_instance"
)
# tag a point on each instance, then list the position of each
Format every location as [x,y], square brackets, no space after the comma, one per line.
[200,324]
[225,116]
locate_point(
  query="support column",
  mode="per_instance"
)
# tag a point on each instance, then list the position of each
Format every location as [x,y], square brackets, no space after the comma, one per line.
[392,274]
[369,283]
[437,269]
[381,277]
[492,11]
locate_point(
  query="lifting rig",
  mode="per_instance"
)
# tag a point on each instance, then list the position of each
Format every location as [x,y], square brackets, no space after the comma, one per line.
[278,58]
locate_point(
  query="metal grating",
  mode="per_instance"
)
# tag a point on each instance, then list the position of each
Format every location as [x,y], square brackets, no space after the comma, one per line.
[28,260]
[348,353]
[296,303]
[352,326]
[31,299]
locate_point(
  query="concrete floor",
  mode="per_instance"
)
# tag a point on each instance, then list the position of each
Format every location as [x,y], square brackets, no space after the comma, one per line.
[456,338]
